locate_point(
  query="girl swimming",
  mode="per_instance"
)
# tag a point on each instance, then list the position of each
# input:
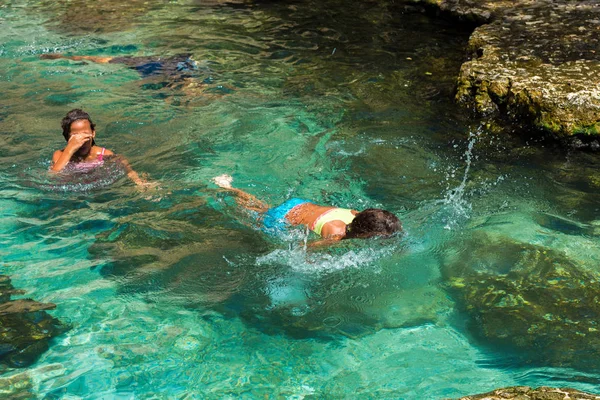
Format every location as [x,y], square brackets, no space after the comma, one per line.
[81,152]
[331,223]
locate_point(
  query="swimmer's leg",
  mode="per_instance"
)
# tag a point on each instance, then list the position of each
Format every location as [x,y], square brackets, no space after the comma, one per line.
[96,59]
[244,199]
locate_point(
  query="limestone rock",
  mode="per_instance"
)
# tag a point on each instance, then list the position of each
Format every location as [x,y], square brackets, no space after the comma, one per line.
[24,306]
[534,62]
[527,393]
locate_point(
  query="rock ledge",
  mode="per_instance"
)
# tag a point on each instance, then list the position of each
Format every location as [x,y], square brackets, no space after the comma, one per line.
[534,62]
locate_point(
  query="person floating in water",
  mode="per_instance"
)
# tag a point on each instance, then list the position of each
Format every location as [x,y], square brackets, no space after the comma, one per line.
[331,223]
[179,66]
[179,72]
[81,151]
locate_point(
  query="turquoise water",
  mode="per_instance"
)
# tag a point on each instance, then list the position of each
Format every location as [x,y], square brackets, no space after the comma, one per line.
[176,293]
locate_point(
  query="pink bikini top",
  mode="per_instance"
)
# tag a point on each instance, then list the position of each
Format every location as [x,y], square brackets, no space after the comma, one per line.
[89,165]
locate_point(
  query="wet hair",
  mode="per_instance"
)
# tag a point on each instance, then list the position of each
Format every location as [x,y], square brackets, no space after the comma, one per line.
[72,116]
[373,222]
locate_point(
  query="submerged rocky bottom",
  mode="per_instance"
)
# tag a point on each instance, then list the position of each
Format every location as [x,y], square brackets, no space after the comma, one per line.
[531,300]
[25,328]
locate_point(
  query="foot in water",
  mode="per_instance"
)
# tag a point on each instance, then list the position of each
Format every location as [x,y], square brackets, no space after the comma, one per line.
[223,181]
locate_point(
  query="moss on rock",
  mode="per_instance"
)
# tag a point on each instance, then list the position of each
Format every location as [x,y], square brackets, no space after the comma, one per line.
[532,61]
[531,299]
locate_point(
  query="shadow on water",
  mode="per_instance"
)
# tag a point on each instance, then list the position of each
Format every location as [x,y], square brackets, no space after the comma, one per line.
[83,17]
[372,54]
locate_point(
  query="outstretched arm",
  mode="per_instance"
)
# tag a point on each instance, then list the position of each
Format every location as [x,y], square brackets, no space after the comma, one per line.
[132,174]
[244,199]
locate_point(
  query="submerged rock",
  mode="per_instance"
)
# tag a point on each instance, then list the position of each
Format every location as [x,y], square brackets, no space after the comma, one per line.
[25,329]
[23,384]
[527,393]
[17,387]
[529,299]
[534,62]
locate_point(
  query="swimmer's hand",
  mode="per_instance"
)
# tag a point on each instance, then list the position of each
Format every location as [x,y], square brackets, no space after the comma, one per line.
[145,185]
[61,158]
[151,190]
[223,181]
[142,182]
[77,141]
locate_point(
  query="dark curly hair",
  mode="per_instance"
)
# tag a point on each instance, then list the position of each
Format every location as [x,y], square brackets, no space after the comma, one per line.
[72,116]
[373,222]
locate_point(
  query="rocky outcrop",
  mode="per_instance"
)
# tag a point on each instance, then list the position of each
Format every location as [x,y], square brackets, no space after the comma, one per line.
[527,393]
[25,328]
[534,62]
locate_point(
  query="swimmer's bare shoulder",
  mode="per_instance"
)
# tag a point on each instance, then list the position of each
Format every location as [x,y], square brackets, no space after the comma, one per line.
[96,151]
[107,152]
[335,230]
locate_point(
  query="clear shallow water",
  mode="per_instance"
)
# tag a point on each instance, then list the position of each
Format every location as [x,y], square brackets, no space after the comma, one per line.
[176,293]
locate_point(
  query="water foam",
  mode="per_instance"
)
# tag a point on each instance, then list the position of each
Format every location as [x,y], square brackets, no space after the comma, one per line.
[334,259]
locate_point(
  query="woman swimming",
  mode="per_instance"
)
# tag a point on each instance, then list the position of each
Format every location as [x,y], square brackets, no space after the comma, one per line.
[331,223]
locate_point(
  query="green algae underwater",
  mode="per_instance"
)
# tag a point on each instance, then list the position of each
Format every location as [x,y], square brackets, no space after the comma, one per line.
[176,292]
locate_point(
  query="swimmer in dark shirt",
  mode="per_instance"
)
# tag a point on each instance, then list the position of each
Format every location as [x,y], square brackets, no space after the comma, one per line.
[180,71]
[180,64]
